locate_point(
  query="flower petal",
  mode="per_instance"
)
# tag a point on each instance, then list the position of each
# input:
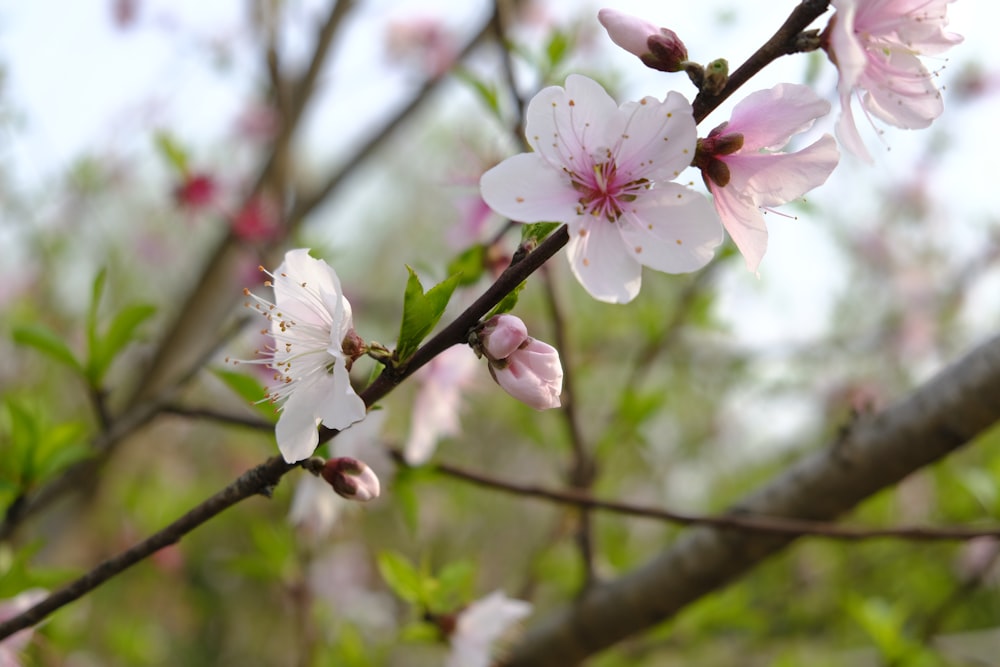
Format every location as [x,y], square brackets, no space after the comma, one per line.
[339,406]
[527,189]
[602,263]
[296,431]
[906,96]
[763,129]
[672,229]
[565,124]
[744,222]
[301,270]
[658,139]
[772,179]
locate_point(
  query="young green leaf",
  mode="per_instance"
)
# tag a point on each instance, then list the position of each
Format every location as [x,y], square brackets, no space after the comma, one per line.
[421,312]
[120,333]
[48,343]
[508,302]
[401,576]
[470,264]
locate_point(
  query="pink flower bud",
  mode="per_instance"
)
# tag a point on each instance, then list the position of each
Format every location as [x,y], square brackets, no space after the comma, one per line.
[198,191]
[501,335]
[351,479]
[657,48]
[532,374]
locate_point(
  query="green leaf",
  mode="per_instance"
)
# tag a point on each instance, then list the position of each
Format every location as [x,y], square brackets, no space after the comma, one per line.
[470,265]
[420,632]
[120,334]
[456,582]
[172,151]
[97,290]
[421,312]
[557,49]
[48,343]
[401,576]
[486,92]
[508,302]
[249,389]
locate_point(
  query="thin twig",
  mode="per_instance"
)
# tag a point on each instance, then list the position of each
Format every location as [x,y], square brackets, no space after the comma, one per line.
[258,480]
[747,523]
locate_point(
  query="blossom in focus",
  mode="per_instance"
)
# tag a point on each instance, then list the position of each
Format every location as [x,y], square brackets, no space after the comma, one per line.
[745,174]
[351,479]
[310,321]
[527,369]
[605,171]
[480,625]
[658,48]
[442,382]
[502,335]
[876,45]
[15,643]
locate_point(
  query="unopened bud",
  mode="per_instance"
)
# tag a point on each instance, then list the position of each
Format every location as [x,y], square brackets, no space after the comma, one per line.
[351,479]
[501,335]
[716,76]
[657,48]
[532,374]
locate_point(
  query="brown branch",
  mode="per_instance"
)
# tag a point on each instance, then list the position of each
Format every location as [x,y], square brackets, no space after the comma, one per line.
[775,525]
[259,480]
[783,42]
[949,411]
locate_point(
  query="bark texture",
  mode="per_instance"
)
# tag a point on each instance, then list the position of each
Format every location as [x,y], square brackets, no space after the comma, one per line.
[878,451]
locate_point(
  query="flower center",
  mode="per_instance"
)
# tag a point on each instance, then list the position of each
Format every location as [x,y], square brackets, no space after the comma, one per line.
[603,193]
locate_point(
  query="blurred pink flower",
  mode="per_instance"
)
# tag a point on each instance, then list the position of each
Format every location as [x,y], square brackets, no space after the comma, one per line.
[422,40]
[309,322]
[258,220]
[875,45]
[436,409]
[480,625]
[745,174]
[12,646]
[605,171]
[197,192]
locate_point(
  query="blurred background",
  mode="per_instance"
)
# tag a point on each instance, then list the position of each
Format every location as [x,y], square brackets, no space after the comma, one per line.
[143,142]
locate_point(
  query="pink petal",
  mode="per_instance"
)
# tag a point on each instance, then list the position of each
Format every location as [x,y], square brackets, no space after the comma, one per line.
[527,189]
[744,222]
[847,131]
[763,128]
[673,229]
[601,262]
[908,99]
[777,178]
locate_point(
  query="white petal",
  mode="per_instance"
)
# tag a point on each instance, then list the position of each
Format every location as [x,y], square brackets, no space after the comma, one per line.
[658,139]
[527,189]
[566,125]
[672,229]
[296,431]
[339,406]
[602,264]
[305,304]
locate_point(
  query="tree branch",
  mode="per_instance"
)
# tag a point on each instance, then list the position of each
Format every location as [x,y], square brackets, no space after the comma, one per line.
[949,411]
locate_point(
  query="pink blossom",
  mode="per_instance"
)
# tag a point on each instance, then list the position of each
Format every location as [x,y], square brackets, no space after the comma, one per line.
[658,48]
[14,644]
[258,220]
[532,374]
[605,171]
[744,173]
[480,625]
[502,335]
[875,45]
[197,192]
[439,401]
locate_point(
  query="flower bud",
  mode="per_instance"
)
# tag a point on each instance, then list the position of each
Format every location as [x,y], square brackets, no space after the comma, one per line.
[532,374]
[501,335]
[657,48]
[351,479]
